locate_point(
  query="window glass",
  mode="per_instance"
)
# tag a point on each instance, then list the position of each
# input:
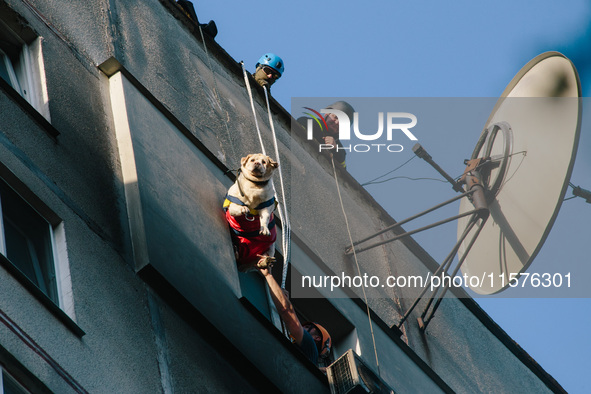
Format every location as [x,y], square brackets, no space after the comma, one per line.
[21,63]
[27,241]
[10,58]
[254,289]
[10,386]
[6,70]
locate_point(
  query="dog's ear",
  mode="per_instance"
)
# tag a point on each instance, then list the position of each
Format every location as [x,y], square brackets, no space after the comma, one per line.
[272,162]
[244,160]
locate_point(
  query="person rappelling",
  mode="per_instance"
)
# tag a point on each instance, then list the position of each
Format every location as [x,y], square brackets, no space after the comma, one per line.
[269,69]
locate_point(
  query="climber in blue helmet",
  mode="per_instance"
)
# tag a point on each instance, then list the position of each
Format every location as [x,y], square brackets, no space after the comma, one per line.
[269,69]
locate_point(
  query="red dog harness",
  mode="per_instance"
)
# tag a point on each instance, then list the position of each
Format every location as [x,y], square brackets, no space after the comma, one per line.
[245,231]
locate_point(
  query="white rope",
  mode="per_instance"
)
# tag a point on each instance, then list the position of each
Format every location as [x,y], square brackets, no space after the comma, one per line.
[254,114]
[356,263]
[282,207]
[282,215]
[286,226]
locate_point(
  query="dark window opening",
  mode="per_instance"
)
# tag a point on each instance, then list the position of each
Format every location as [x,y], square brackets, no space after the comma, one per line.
[254,286]
[317,308]
[10,385]
[21,62]
[28,242]
[12,62]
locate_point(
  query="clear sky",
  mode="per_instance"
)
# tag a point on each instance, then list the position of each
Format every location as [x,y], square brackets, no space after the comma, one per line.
[438,49]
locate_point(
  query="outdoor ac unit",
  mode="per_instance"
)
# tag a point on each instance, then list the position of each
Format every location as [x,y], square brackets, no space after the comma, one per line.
[349,375]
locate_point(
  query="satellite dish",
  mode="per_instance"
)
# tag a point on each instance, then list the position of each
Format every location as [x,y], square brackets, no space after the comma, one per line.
[515,181]
[531,139]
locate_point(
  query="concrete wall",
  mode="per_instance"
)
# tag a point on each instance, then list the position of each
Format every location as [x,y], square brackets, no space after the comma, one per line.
[143,335]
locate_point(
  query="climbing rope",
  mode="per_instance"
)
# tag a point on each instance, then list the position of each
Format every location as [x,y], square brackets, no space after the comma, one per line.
[286,227]
[254,113]
[282,207]
[356,263]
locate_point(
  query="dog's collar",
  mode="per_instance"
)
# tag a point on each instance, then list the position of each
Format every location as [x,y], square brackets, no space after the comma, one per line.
[261,183]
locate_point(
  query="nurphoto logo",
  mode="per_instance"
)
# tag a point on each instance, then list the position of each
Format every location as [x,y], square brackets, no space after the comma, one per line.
[393,123]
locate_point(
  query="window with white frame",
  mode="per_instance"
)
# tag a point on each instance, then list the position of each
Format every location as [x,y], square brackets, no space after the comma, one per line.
[30,243]
[21,64]
[9,385]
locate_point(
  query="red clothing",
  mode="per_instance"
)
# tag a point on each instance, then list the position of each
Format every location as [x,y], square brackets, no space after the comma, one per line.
[246,238]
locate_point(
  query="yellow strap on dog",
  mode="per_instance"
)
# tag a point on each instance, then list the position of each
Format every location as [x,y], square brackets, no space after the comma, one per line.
[253,212]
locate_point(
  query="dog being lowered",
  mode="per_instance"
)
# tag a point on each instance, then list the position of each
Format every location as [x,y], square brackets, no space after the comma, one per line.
[249,207]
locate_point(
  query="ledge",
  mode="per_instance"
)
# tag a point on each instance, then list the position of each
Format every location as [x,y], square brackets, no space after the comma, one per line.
[198,322]
[112,66]
[41,297]
[29,109]
[284,341]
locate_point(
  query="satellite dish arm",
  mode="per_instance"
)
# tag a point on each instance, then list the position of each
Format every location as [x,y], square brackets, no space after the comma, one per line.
[583,193]
[422,153]
[349,249]
[441,270]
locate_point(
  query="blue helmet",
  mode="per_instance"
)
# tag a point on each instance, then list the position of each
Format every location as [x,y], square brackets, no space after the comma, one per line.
[273,61]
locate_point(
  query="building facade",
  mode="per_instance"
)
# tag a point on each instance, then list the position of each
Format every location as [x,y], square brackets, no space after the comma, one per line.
[120,125]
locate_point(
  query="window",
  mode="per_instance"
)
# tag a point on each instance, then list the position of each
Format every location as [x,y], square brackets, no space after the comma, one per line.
[319,309]
[35,247]
[9,385]
[254,288]
[343,334]
[26,241]
[21,62]
[7,71]
[315,307]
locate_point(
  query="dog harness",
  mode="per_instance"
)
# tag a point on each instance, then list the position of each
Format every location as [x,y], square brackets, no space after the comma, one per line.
[245,231]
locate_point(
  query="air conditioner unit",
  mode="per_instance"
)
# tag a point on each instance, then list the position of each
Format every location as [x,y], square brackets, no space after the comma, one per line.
[349,375]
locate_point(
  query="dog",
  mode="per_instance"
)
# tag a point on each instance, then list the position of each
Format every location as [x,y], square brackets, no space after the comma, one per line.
[249,207]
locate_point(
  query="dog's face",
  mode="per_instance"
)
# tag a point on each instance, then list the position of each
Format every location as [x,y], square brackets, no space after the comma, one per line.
[258,166]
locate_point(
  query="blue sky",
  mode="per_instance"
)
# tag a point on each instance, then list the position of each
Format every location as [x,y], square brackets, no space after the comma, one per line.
[438,49]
